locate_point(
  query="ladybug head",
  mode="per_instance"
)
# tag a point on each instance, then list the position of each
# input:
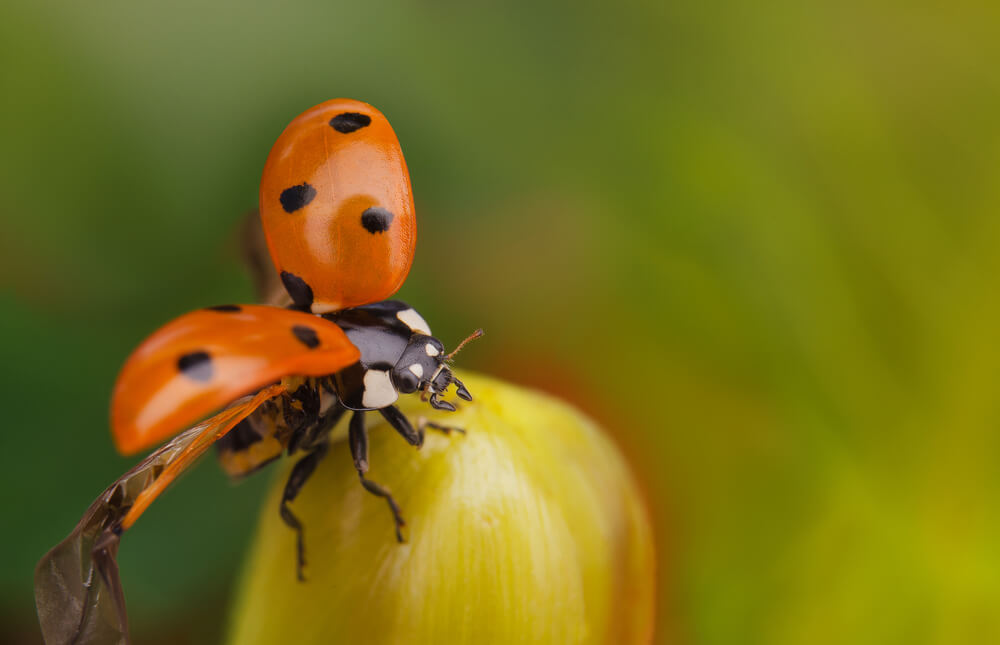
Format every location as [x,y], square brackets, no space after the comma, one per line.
[424,366]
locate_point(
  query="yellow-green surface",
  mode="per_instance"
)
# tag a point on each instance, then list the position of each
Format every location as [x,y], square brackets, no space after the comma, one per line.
[758,240]
[528,529]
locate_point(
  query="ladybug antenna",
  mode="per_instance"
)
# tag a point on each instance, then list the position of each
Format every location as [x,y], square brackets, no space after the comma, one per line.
[471,337]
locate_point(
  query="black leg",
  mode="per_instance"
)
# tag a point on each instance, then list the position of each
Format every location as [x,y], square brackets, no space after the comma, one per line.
[316,431]
[358,438]
[424,423]
[357,434]
[402,425]
[397,516]
[300,473]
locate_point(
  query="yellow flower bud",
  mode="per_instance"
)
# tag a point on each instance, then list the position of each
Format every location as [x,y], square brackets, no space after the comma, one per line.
[528,529]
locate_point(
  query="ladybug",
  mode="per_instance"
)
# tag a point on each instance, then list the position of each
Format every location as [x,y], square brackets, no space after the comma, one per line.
[337,212]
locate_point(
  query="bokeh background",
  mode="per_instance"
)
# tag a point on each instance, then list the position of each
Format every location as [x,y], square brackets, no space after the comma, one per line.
[759,241]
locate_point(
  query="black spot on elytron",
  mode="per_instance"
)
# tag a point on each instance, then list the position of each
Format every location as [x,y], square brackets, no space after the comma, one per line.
[225,308]
[296,197]
[376,220]
[301,293]
[197,366]
[306,335]
[350,121]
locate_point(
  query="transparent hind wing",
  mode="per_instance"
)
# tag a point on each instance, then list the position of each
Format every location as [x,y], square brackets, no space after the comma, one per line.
[78,590]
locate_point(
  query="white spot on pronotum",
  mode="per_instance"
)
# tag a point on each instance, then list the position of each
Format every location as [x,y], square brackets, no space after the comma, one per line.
[431,350]
[413,320]
[417,369]
[320,307]
[379,391]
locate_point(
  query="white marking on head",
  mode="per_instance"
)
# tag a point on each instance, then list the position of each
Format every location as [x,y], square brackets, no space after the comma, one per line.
[431,350]
[417,369]
[414,321]
[379,391]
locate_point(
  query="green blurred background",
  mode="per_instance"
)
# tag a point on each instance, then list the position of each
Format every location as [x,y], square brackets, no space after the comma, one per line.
[759,242]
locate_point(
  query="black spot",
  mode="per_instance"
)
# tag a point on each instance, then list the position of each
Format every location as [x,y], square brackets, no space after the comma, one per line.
[306,335]
[225,308]
[376,220]
[350,121]
[197,366]
[301,293]
[294,198]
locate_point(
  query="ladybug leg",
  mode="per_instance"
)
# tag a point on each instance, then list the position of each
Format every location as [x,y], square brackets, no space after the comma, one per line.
[423,423]
[300,473]
[402,425]
[316,431]
[358,437]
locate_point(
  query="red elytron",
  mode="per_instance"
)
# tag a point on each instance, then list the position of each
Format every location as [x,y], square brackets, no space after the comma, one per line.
[336,163]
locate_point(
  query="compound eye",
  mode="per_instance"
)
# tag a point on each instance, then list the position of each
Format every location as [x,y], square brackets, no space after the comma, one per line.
[407,381]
